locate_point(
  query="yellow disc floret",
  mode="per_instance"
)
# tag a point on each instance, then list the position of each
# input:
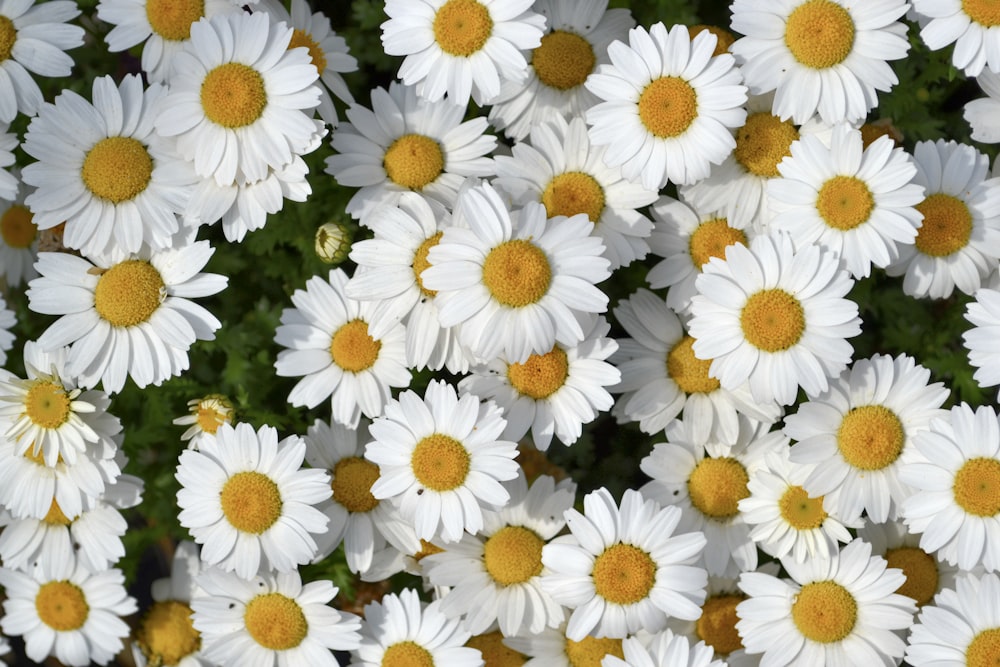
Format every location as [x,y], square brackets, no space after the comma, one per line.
[716,486]
[517,273]
[275,621]
[870,437]
[564,60]
[763,142]
[17,227]
[984,649]
[212,412]
[129,293]
[513,555]
[723,38]
[352,484]
[172,19]
[413,161]
[921,572]
[495,652]
[590,651]
[717,624]
[62,606]
[711,238]
[55,516]
[984,12]
[461,27]
[440,462]
[233,95]
[824,611]
[352,348]
[844,202]
[251,502]
[799,510]
[166,633]
[947,225]
[541,375]
[688,371]
[668,106]
[574,192]
[8,35]
[303,38]
[820,34]
[772,320]
[624,574]
[117,169]
[420,262]
[977,487]
[47,404]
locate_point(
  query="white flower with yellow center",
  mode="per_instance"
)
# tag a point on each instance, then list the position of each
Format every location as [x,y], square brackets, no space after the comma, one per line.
[8,181]
[244,498]
[566,174]
[7,321]
[273,619]
[775,317]
[407,144]
[18,241]
[983,340]
[624,570]
[961,627]
[819,55]
[462,48]
[516,283]
[981,113]
[663,648]
[668,105]
[205,416]
[973,26]
[331,346]
[126,315]
[441,460]
[552,648]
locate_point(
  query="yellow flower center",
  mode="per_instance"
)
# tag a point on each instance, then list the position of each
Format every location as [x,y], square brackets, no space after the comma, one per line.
[984,649]
[461,27]
[352,483]
[413,161]
[763,142]
[799,510]
[772,320]
[590,651]
[55,516]
[166,633]
[251,502]
[819,33]
[407,654]
[233,95]
[824,611]
[47,404]
[495,652]
[172,19]
[513,555]
[303,38]
[129,293]
[872,131]
[977,487]
[440,462]
[8,35]
[624,574]
[17,227]
[517,273]
[117,169]
[275,621]
[62,606]
[716,486]
[844,202]
[688,371]
[212,412]
[984,12]
[921,572]
[711,238]
[352,348]
[572,193]
[668,106]
[724,38]
[717,624]
[564,60]
[947,225]
[420,263]
[541,375]
[870,437]
[426,549]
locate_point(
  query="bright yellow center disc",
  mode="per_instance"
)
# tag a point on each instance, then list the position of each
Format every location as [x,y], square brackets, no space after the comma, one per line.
[302,38]
[921,572]
[984,649]
[233,95]
[799,510]
[763,142]
[461,27]
[590,651]
[8,35]
[172,19]
[275,621]
[251,502]
[166,633]
[352,348]
[17,227]
[844,202]
[574,192]
[668,106]
[624,574]
[564,60]
[723,38]
[47,404]
[352,483]
[212,412]
[870,437]
[717,624]
[420,262]
[716,486]
[688,371]
[55,515]
[820,34]
[773,320]
[62,606]
[413,161]
[517,273]
[513,555]
[947,225]
[541,375]
[440,462]
[117,169]
[711,238]
[824,611]
[984,12]
[977,487]
[129,293]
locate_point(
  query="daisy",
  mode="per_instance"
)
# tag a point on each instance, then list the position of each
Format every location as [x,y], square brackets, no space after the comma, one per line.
[7,321]
[840,610]
[205,416]
[668,106]
[552,648]
[331,346]
[981,340]
[8,181]
[274,619]
[981,114]
[126,315]
[407,144]
[516,283]
[819,55]
[664,648]
[494,651]
[18,241]
[962,627]
[441,460]
[969,24]
[775,317]
[956,246]
[461,48]
[623,569]
[244,498]
[33,37]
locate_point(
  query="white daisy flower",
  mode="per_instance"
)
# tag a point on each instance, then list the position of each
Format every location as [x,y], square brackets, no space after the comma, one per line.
[968,24]
[8,180]
[552,648]
[957,244]
[516,283]
[820,55]
[205,416]
[441,460]
[983,340]
[465,48]
[962,627]
[244,498]
[7,321]
[664,648]
[331,345]
[668,105]
[18,241]
[981,114]
[774,317]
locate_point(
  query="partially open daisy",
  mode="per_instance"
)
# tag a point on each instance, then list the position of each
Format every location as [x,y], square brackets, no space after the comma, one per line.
[668,105]
[970,24]
[961,627]
[18,240]
[663,648]
[819,55]
[983,339]
[205,416]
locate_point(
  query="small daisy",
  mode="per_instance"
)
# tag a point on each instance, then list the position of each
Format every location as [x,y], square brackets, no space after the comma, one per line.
[8,181]
[18,241]
[969,24]
[7,321]
[244,498]
[205,416]
[820,55]
[552,648]
[774,317]
[441,460]
[664,648]
[981,114]
[668,105]
[462,48]
[961,627]
[983,340]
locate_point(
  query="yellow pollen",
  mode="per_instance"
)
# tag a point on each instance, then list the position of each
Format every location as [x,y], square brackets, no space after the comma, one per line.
[984,649]
[172,19]
[799,510]
[688,371]
[564,60]
[947,225]
[590,651]
[824,611]
[495,652]
[117,169]
[275,621]
[773,320]
[717,624]
[870,437]
[212,412]
[541,375]
[440,462]
[513,555]
[984,12]
[55,516]
[724,38]
[17,227]
[352,483]
[977,487]
[413,161]
[353,349]
[407,654]
[517,273]
[8,35]
[572,193]
[420,263]
[129,293]
[716,486]
[844,202]
[166,633]
[302,38]
[763,142]
[819,33]
[921,573]
[426,549]
[47,404]
[62,606]
[233,95]
[251,502]
[668,106]
[711,239]
[624,574]
[461,27]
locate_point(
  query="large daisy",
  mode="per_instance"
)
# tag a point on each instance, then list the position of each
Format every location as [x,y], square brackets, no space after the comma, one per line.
[970,24]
